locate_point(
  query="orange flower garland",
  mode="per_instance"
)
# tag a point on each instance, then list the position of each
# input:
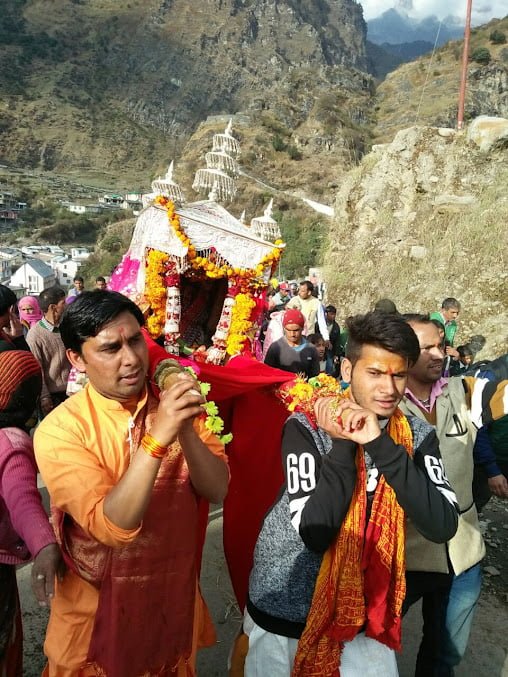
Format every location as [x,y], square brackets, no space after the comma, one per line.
[301,394]
[209,267]
[155,291]
[240,323]
[242,283]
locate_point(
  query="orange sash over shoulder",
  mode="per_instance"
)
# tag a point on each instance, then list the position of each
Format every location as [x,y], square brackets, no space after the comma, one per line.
[361,583]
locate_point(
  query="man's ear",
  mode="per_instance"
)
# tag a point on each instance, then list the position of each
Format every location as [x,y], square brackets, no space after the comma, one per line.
[76,359]
[346,367]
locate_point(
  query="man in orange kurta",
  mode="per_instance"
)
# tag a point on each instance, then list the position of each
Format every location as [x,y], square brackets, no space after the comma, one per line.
[125,473]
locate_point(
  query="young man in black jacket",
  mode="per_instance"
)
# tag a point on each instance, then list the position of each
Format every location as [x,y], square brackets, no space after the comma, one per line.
[327,583]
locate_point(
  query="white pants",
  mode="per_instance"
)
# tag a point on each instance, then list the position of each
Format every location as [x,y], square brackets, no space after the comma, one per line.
[273,655]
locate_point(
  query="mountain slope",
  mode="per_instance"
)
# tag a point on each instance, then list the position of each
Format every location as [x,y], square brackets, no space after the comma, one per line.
[103,88]
[425,91]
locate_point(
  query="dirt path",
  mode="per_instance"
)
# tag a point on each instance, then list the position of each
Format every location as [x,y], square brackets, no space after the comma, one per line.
[488,646]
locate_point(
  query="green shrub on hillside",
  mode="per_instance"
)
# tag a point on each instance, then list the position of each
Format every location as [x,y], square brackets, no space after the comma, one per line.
[481,55]
[294,153]
[272,124]
[497,37]
[112,243]
[278,143]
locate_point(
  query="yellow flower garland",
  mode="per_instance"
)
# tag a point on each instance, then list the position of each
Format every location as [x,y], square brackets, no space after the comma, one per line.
[208,267]
[245,279]
[240,323]
[155,291]
[301,394]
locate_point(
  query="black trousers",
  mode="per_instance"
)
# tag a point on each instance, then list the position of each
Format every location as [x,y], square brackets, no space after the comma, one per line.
[433,589]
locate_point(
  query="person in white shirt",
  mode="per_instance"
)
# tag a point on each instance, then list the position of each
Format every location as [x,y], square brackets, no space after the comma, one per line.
[311,308]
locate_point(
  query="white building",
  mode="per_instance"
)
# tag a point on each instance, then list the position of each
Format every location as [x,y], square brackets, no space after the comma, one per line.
[33,250]
[84,209]
[135,205]
[79,253]
[5,270]
[65,269]
[10,259]
[34,276]
[55,250]
[111,200]
[133,197]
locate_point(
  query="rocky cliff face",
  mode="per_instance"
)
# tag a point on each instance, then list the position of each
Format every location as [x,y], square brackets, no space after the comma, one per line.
[488,87]
[124,84]
[423,218]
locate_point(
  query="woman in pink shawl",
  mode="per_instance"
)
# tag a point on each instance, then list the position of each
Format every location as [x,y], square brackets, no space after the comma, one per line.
[29,312]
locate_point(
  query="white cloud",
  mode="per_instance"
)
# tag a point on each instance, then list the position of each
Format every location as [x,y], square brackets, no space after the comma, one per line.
[421,8]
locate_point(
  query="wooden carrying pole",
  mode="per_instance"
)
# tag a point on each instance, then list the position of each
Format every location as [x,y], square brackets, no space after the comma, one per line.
[465,60]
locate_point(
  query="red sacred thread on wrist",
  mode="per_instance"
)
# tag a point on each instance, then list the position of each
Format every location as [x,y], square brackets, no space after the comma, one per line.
[152,447]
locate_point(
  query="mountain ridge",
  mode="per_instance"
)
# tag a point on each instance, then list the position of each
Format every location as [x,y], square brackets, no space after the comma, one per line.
[395,26]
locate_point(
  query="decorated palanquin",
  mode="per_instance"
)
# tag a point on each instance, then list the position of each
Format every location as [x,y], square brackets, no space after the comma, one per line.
[201,277]
[199,273]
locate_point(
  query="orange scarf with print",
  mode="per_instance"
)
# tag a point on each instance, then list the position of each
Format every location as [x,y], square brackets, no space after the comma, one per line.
[361,582]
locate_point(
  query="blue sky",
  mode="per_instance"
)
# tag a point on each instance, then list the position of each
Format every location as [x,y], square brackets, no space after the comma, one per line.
[483,10]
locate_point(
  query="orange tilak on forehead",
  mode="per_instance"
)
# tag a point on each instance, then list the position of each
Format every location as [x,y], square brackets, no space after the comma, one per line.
[373,357]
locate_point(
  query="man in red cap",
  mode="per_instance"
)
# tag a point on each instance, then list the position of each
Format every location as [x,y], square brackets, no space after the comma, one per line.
[281,297]
[292,352]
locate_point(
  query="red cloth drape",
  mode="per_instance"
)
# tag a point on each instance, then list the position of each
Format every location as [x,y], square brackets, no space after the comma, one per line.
[244,392]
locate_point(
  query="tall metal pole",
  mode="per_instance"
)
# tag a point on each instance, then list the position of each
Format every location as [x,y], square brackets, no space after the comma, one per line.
[465,59]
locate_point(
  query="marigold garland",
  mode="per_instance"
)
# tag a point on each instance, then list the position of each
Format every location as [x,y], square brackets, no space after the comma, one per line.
[242,282]
[209,267]
[301,394]
[155,291]
[241,323]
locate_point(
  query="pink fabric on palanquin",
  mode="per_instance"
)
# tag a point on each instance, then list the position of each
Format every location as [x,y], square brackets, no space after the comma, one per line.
[124,277]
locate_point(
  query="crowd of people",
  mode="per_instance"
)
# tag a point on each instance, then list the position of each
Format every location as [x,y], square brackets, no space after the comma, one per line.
[392,441]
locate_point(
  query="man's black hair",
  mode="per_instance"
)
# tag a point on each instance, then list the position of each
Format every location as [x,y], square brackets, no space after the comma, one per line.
[90,312]
[50,296]
[330,309]
[421,318]
[386,306]
[314,338]
[465,351]
[78,278]
[384,330]
[308,284]
[100,278]
[450,302]
[7,299]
